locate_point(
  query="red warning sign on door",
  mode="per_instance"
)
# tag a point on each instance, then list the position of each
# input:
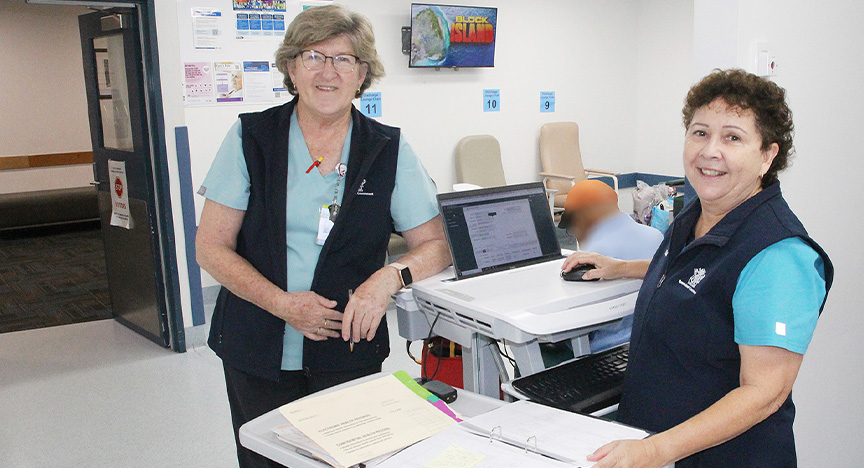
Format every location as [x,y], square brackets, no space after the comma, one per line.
[120,215]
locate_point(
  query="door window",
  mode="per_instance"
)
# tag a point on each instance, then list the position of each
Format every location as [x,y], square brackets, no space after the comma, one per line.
[113,92]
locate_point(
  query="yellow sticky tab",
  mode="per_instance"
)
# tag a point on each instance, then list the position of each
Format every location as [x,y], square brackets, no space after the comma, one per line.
[455,457]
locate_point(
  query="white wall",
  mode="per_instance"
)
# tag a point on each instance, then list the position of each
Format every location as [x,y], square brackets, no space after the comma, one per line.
[44,103]
[45,178]
[813,42]
[664,46]
[171,78]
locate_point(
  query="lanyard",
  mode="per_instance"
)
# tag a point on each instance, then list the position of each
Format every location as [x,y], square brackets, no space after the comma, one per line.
[341,169]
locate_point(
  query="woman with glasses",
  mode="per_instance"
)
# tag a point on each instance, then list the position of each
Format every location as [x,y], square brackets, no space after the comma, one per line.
[301,201]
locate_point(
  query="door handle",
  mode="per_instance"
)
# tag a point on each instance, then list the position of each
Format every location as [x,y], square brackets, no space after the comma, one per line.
[95,183]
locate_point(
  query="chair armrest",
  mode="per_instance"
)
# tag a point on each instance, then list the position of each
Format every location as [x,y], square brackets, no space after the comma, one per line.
[598,174]
[597,171]
[551,175]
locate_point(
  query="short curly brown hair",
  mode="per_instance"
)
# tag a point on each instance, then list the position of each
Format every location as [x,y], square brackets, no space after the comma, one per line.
[764,98]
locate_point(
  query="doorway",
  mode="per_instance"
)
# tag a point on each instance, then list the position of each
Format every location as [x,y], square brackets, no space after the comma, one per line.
[123,103]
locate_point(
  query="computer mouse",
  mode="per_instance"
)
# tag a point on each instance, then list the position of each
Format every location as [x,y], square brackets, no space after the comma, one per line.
[577,272]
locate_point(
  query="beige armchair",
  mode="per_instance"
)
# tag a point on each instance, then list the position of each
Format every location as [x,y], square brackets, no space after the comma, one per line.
[478,161]
[562,160]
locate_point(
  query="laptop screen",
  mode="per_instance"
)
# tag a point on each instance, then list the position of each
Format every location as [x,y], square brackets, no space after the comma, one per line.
[498,228]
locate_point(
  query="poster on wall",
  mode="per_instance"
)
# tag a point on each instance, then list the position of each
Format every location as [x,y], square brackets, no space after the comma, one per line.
[279,89]
[221,70]
[206,28]
[260,5]
[260,26]
[120,215]
[258,81]
[229,81]
[198,77]
[260,19]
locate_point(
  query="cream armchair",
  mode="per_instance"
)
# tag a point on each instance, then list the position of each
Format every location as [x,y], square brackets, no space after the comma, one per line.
[562,160]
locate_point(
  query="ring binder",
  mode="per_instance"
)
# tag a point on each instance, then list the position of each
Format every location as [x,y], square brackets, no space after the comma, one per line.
[492,434]
[528,442]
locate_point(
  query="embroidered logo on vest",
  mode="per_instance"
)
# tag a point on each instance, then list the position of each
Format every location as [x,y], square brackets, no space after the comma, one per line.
[361,192]
[698,276]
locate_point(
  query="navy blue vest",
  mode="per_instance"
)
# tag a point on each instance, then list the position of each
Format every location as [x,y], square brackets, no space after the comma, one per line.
[683,355]
[249,338]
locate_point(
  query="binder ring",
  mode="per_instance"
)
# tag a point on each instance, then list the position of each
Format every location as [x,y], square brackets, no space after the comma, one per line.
[492,434]
[528,442]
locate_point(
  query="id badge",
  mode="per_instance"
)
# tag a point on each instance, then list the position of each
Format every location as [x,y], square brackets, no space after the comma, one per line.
[324,225]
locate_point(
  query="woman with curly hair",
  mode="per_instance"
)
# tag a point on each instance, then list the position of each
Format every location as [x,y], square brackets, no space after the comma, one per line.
[730,301]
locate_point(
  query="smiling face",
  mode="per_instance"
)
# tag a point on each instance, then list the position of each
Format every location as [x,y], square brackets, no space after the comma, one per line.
[723,156]
[326,93]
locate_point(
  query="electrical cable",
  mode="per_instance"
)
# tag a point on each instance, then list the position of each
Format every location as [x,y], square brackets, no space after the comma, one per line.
[426,347]
[506,355]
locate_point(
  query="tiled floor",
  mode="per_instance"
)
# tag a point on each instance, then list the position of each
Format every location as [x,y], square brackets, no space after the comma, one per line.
[52,279]
[98,395]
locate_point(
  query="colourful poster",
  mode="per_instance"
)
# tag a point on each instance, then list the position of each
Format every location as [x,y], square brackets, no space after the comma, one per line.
[260,5]
[198,81]
[229,81]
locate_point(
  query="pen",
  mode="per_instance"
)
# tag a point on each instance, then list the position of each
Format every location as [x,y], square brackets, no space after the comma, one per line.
[351,292]
[314,165]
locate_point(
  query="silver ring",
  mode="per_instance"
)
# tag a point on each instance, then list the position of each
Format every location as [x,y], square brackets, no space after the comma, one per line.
[325,323]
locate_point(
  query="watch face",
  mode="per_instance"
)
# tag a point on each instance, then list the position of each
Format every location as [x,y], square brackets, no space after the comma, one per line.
[406,276]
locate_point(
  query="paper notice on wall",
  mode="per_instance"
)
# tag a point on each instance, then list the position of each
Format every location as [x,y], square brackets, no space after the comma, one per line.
[258,82]
[206,28]
[279,89]
[260,19]
[229,81]
[198,78]
[120,215]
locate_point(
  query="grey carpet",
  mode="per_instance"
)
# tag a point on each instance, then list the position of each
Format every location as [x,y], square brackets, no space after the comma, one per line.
[52,278]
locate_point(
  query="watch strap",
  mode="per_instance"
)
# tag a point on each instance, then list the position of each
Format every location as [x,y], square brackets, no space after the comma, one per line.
[404,273]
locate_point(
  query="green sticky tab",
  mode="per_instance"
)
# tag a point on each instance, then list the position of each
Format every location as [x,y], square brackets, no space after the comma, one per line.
[412,385]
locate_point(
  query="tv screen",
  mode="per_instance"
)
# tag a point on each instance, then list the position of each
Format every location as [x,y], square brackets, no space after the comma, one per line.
[452,36]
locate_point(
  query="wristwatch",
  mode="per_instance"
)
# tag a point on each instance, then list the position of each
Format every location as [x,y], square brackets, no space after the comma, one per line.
[404,273]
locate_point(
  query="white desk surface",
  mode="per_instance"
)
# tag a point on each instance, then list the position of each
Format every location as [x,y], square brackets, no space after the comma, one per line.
[532,300]
[257,435]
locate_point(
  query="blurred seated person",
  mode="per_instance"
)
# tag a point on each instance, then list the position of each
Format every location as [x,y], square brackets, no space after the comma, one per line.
[591,215]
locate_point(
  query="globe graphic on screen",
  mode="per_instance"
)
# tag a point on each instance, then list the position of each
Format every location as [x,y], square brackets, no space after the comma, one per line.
[430,38]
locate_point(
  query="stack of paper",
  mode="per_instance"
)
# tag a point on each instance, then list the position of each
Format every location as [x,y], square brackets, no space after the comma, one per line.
[365,422]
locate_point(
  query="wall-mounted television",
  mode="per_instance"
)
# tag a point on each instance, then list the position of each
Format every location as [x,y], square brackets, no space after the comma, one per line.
[450,36]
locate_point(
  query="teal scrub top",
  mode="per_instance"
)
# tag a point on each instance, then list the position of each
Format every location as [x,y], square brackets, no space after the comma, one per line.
[413,203]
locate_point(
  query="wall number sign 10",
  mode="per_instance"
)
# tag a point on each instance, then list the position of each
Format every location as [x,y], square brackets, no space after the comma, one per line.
[491,100]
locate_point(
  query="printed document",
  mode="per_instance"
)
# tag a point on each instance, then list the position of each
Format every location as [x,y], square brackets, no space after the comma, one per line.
[367,420]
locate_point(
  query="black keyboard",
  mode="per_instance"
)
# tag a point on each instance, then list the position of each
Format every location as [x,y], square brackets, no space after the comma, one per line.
[584,385]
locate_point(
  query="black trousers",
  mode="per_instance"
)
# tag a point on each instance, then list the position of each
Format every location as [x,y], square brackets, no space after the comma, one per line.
[250,397]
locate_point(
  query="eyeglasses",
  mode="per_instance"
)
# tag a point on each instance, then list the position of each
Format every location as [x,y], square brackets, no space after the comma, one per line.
[315,61]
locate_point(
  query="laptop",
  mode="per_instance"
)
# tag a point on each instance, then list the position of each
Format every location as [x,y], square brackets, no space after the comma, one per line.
[497,229]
